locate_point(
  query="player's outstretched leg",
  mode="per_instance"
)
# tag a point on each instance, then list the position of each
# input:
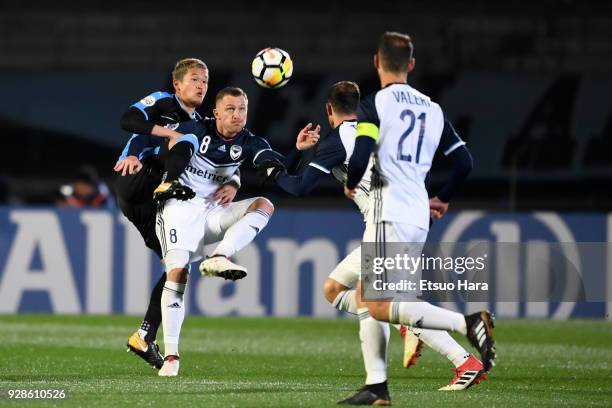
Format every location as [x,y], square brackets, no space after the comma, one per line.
[237,236]
[468,370]
[142,342]
[478,327]
[467,374]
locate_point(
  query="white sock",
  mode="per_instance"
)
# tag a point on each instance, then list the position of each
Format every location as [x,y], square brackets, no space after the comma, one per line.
[242,233]
[374,337]
[425,315]
[443,343]
[173,314]
[346,302]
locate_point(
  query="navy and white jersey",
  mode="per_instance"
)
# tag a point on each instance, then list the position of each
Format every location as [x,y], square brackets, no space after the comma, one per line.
[408,128]
[159,108]
[332,154]
[215,159]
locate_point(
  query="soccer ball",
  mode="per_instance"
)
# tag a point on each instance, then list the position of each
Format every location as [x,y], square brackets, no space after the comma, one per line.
[272,67]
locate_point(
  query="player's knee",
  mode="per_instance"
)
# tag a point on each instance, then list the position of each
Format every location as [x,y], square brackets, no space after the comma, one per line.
[379,310]
[176,260]
[262,204]
[177,275]
[331,289]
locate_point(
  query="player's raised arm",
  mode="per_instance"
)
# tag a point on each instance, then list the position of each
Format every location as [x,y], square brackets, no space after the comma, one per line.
[139,118]
[329,153]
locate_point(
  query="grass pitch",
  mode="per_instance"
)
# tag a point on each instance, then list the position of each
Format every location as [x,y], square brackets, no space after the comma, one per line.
[239,362]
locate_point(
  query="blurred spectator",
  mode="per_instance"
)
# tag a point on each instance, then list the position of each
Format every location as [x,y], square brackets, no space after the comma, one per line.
[87,190]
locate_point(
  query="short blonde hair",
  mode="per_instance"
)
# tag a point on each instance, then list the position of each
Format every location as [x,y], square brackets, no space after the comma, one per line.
[182,66]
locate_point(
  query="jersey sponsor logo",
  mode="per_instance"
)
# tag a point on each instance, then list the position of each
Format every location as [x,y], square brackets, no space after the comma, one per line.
[148,101]
[172,126]
[221,148]
[208,175]
[235,152]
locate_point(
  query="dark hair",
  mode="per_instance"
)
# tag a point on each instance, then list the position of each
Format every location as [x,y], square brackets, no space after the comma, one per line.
[395,50]
[344,97]
[230,90]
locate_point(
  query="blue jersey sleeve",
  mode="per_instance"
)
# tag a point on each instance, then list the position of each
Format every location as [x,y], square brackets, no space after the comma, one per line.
[141,146]
[150,103]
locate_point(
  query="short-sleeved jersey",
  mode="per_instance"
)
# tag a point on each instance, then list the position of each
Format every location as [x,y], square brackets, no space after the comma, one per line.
[408,127]
[162,109]
[215,159]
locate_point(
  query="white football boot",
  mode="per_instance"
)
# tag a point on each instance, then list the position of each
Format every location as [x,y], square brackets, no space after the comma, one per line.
[170,367]
[220,266]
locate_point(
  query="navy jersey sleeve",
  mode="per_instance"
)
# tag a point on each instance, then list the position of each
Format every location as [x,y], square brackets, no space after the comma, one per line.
[257,145]
[450,140]
[367,118]
[462,166]
[367,136]
[141,116]
[149,105]
[259,150]
[329,152]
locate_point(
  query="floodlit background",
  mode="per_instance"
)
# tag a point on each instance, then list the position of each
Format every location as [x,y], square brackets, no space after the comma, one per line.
[526,84]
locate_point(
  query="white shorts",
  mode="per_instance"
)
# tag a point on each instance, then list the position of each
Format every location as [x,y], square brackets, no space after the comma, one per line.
[386,231]
[347,272]
[389,239]
[192,224]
